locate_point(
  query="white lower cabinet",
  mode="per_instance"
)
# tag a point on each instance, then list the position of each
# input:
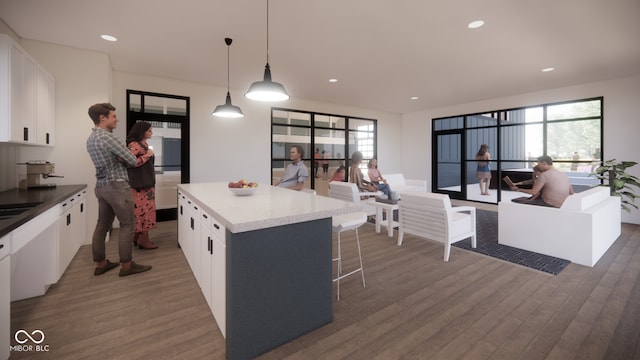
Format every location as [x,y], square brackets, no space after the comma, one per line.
[183,217]
[73,226]
[5,297]
[204,243]
[202,239]
[194,250]
[218,276]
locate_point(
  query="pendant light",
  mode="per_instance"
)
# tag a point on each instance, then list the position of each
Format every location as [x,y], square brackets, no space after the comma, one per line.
[267,90]
[228,110]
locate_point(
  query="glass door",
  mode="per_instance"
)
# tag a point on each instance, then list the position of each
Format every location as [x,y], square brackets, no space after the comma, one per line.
[448,177]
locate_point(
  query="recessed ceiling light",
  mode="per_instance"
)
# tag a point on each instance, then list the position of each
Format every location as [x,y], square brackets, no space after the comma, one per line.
[109,37]
[475,24]
[333,80]
[548,69]
[414,98]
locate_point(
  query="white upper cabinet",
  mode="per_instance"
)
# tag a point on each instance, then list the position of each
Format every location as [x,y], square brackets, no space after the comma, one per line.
[46,105]
[27,97]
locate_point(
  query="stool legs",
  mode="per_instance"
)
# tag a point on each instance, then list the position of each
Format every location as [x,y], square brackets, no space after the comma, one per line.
[339,260]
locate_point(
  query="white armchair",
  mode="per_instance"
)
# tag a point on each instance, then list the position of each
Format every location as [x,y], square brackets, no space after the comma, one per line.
[431,216]
[349,192]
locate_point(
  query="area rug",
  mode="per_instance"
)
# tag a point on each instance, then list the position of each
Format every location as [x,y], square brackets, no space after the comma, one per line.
[487,244]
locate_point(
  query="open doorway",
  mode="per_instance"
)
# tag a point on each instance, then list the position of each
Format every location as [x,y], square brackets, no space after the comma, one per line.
[169,117]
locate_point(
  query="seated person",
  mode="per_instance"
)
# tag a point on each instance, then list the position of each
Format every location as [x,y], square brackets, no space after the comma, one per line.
[552,185]
[339,174]
[356,176]
[296,173]
[376,178]
[527,199]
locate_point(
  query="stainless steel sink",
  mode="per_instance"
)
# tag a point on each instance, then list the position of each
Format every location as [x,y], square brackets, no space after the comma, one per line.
[8,211]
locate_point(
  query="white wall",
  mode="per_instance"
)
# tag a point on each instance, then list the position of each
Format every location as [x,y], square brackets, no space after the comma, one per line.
[621,124]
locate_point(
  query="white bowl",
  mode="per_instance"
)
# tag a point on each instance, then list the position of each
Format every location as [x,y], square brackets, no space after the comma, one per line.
[243,191]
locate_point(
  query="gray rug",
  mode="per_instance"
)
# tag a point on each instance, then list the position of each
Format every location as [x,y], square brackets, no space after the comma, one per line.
[487,244]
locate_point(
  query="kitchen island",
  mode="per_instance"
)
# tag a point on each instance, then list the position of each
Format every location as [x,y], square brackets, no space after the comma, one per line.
[263,261]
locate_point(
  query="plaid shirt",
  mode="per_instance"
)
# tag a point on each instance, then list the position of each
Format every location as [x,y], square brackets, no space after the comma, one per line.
[110,156]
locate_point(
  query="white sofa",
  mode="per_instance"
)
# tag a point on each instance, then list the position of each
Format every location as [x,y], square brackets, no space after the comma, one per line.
[581,231]
[398,183]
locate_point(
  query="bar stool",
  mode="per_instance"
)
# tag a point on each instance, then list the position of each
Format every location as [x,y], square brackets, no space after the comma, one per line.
[343,223]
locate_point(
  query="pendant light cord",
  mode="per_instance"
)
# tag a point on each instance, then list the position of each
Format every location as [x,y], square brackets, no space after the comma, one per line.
[228,41]
[267,31]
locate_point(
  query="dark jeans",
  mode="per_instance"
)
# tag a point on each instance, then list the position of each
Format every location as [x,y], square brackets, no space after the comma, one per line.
[115,199]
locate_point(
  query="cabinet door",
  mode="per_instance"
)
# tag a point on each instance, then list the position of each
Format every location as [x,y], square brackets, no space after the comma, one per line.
[183,219]
[45,111]
[205,243]
[78,221]
[5,301]
[27,97]
[194,249]
[66,244]
[218,276]
[23,96]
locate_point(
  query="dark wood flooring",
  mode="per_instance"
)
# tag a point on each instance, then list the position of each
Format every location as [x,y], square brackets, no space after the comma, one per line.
[415,306]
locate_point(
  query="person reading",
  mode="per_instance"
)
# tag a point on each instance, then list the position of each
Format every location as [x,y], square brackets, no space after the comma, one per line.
[552,185]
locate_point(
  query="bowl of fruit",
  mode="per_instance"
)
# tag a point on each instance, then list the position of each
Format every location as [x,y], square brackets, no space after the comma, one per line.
[242,187]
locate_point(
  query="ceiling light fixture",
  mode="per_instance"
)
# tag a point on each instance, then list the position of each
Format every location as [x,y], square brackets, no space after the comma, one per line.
[475,24]
[333,80]
[414,98]
[108,37]
[548,69]
[267,90]
[228,110]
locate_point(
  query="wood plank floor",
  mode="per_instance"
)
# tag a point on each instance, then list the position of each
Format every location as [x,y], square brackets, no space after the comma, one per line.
[415,306]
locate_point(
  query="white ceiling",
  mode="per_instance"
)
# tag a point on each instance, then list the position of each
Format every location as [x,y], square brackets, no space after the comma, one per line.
[381,51]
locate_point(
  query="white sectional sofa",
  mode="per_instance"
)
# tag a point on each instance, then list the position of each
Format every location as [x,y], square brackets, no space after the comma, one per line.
[581,231]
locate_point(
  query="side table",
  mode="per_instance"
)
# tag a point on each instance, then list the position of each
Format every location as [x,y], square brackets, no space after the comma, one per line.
[387,209]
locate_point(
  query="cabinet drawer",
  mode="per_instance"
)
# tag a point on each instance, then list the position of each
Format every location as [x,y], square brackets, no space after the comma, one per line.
[218,231]
[205,220]
[5,245]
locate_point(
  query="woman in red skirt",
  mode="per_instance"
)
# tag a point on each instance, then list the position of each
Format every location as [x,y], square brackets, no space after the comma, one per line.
[142,180]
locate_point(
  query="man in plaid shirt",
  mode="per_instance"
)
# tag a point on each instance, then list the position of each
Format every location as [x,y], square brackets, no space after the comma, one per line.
[111,157]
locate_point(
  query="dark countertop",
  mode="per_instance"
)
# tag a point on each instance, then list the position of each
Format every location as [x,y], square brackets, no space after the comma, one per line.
[48,197]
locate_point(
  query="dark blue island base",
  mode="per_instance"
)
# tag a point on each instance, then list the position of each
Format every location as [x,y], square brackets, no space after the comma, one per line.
[278,286]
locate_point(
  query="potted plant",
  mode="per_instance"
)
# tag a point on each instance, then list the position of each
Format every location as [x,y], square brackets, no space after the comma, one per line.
[619,181]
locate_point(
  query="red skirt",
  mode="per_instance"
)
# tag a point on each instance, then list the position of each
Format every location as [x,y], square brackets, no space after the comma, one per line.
[145,209]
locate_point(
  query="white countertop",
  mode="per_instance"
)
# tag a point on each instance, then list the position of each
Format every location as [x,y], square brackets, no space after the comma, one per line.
[268,207]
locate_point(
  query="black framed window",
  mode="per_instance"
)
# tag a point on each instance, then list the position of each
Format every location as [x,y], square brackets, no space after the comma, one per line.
[570,132]
[327,139]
